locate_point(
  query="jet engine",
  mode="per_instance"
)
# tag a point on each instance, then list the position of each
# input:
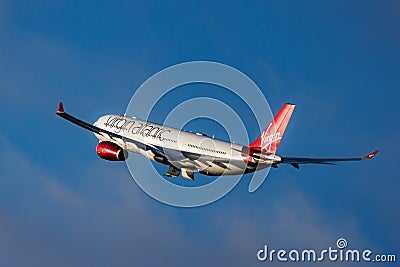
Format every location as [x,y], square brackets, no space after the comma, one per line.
[111,151]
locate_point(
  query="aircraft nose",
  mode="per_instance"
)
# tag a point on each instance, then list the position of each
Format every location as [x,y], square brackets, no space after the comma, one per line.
[96,123]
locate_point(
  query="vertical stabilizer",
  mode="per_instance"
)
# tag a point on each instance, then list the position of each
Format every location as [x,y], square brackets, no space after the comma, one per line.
[271,137]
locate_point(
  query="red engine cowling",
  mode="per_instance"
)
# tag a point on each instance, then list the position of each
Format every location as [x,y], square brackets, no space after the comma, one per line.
[111,151]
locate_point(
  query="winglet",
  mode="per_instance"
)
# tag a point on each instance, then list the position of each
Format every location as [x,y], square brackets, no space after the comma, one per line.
[60,108]
[370,156]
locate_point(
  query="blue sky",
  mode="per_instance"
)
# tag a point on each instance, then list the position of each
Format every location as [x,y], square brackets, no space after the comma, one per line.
[61,205]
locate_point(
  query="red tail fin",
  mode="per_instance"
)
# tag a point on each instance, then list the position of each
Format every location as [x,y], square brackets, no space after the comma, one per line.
[271,137]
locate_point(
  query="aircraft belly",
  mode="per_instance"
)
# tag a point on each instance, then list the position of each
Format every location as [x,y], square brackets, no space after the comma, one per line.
[187,164]
[231,168]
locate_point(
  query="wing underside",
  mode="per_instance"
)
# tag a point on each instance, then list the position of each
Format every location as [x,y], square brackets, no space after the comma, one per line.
[160,154]
[295,162]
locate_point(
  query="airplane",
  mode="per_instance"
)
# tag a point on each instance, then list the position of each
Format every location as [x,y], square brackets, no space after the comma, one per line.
[187,153]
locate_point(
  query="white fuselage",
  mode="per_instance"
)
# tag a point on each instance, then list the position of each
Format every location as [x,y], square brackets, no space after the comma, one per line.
[175,144]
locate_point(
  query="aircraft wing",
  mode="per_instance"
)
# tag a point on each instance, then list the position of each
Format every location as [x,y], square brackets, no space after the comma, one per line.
[296,161]
[92,128]
[157,151]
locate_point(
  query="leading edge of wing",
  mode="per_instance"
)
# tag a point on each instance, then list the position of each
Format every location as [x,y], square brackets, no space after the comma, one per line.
[90,127]
[154,148]
[294,160]
[87,126]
